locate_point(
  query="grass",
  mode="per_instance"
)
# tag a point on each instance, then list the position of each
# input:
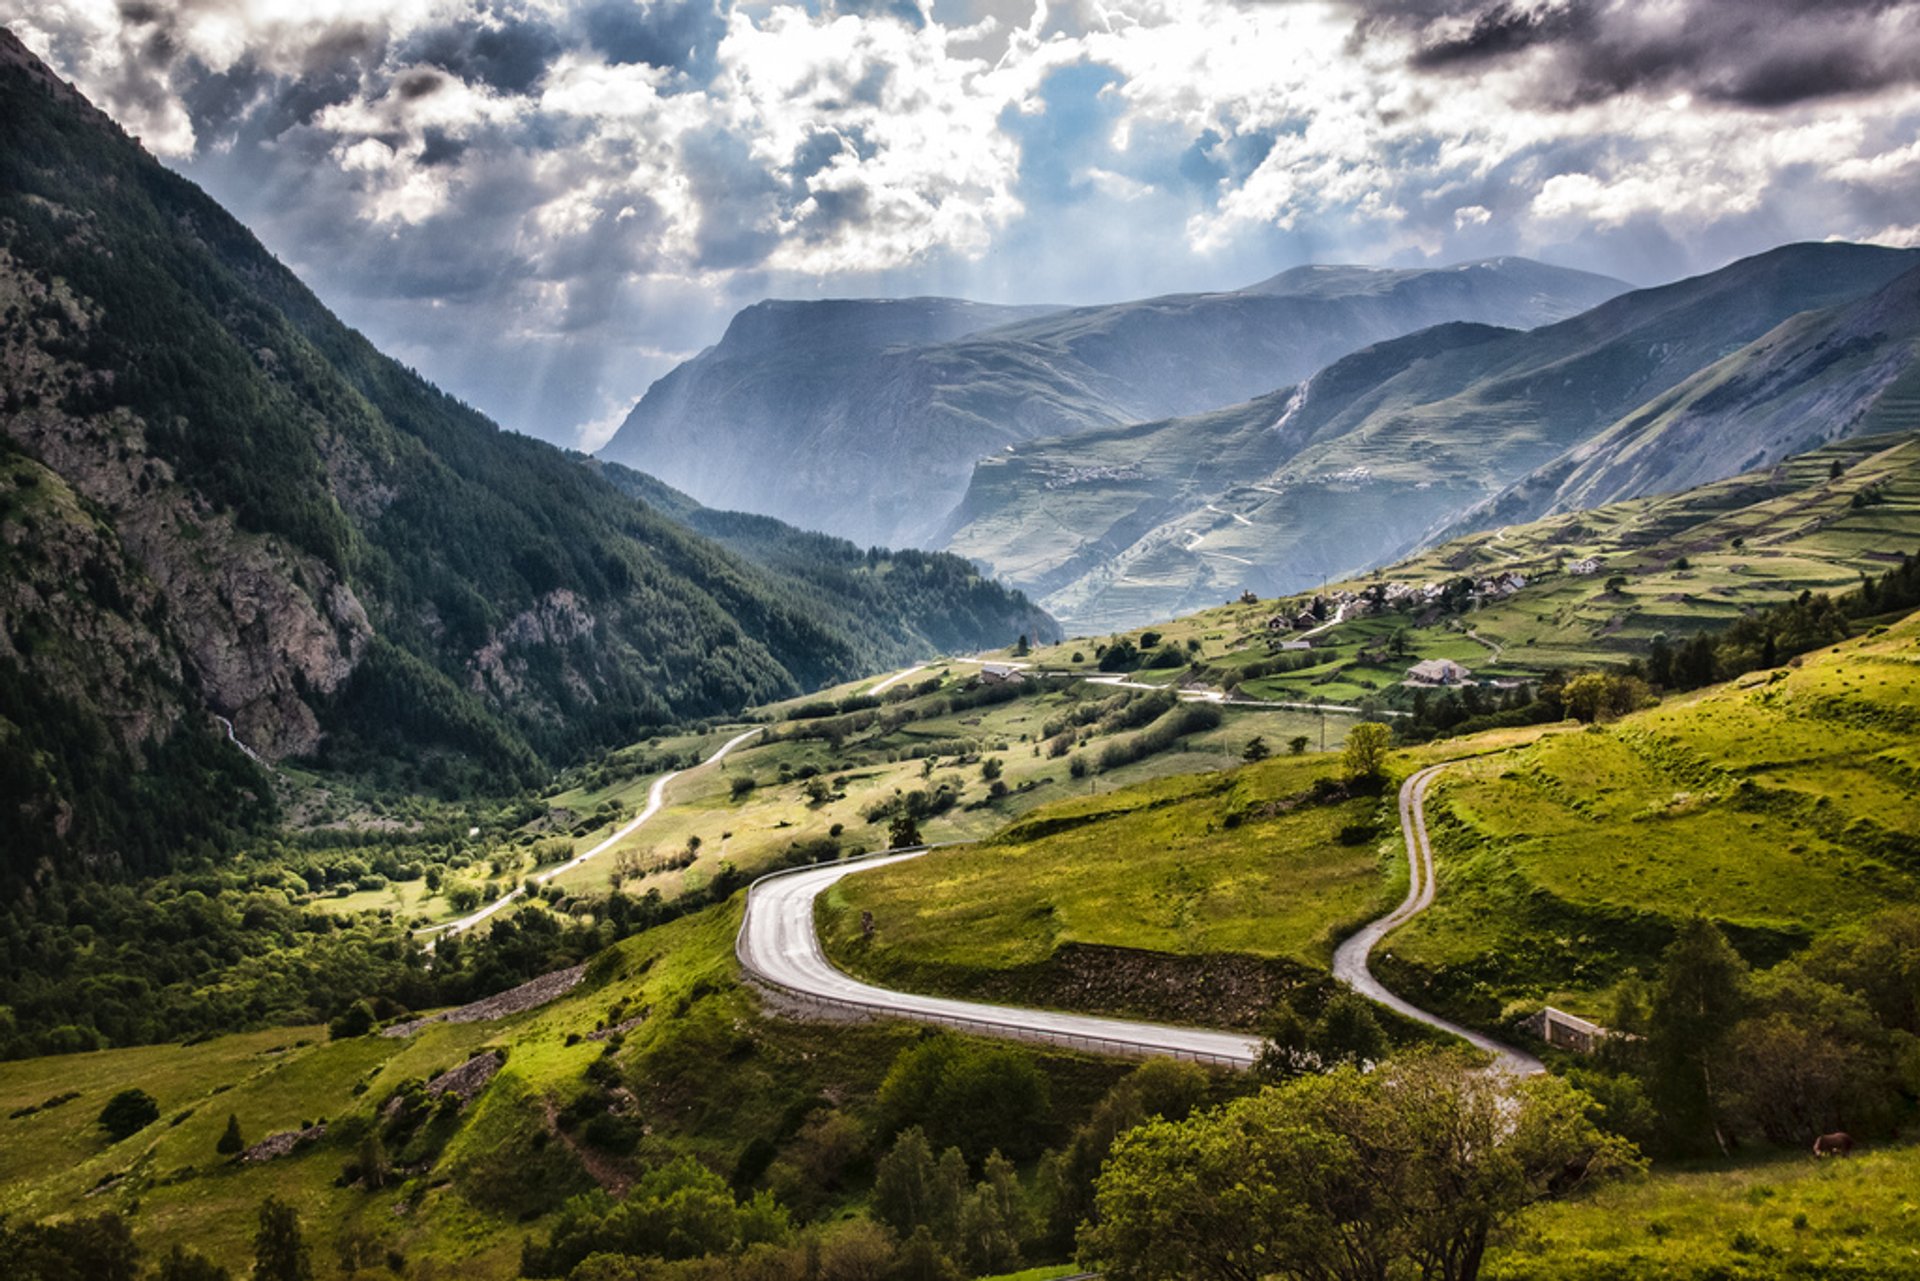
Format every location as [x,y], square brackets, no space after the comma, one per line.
[1796,530]
[1779,1216]
[1183,866]
[710,1076]
[1782,806]
[755,831]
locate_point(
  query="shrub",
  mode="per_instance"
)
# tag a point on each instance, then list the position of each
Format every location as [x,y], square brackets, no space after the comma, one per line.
[230,1140]
[127,1113]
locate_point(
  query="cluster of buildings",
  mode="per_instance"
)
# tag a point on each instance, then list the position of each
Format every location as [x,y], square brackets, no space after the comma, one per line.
[1386,596]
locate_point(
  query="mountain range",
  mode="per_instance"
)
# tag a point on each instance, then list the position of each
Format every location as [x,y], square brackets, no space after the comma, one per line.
[865,418]
[1132,462]
[1451,429]
[225,514]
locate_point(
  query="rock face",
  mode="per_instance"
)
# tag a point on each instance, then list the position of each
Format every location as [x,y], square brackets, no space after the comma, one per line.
[559,619]
[219,505]
[257,627]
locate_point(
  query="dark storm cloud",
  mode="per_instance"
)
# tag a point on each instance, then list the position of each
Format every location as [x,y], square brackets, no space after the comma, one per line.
[1504,28]
[509,54]
[1758,53]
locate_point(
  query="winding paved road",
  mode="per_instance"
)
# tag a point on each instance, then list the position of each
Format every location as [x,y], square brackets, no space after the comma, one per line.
[779,945]
[656,797]
[1350,958]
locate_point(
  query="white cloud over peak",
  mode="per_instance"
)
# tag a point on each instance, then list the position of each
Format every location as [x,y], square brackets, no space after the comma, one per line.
[535,201]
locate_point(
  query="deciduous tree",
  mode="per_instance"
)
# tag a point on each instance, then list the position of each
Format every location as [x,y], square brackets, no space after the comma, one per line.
[1350,1176]
[1366,753]
[127,1113]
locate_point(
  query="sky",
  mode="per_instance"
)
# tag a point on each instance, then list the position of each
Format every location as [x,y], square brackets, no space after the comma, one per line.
[543,205]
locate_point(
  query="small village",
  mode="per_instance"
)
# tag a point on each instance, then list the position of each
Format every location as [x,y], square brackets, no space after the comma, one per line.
[1294,630]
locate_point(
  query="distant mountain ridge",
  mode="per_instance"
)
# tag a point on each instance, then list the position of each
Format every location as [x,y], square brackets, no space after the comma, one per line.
[1843,371]
[866,417]
[220,506]
[1440,432]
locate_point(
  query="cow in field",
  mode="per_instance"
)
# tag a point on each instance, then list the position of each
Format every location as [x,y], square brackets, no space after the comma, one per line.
[1839,1144]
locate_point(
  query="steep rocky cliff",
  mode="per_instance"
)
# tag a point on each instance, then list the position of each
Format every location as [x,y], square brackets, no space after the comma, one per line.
[223,512]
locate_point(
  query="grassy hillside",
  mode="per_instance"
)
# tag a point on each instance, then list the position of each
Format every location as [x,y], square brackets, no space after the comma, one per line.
[770,1104]
[1784,1216]
[1195,899]
[1674,565]
[824,783]
[698,1072]
[1815,522]
[1782,806]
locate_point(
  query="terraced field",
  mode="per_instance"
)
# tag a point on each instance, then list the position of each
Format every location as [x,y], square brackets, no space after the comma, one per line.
[1687,562]
[1782,807]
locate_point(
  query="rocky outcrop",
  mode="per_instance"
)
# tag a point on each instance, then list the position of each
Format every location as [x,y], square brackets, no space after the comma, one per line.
[559,618]
[285,1143]
[529,995]
[468,1080]
[256,627]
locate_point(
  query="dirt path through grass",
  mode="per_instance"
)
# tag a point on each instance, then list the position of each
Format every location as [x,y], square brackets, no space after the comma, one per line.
[1350,959]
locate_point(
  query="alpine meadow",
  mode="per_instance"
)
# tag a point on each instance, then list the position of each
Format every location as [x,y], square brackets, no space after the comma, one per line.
[959,640]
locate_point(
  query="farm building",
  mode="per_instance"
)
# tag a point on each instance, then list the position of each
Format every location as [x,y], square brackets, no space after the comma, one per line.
[1566,1031]
[1438,671]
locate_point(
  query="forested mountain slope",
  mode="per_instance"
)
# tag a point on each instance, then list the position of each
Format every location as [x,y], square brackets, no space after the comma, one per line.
[218,501]
[865,417]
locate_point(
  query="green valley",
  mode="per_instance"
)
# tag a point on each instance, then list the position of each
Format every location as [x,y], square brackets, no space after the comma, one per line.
[1467,827]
